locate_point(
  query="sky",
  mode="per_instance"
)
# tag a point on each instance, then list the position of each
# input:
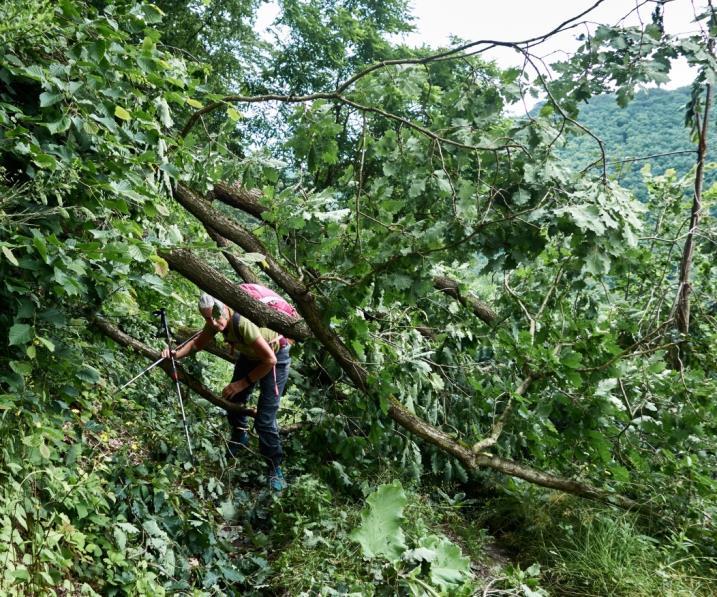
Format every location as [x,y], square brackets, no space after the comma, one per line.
[515,20]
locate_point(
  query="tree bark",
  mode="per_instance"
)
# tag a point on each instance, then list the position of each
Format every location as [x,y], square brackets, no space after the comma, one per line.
[247,200]
[215,283]
[480,309]
[682,308]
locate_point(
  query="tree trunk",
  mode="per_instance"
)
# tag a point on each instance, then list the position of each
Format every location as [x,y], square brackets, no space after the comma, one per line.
[682,308]
[215,283]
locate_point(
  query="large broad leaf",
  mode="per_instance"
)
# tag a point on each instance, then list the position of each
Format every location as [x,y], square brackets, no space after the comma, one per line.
[380,532]
[448,567]
[20,333]
[88,374]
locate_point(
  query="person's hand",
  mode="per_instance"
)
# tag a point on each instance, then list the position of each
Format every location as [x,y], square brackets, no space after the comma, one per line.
[233,388]
[166,353]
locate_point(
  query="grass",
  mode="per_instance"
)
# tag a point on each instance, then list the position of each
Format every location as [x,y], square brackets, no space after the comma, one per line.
[606,554]
[586,549]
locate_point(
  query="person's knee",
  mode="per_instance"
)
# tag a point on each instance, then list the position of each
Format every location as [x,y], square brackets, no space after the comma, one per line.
[264,426]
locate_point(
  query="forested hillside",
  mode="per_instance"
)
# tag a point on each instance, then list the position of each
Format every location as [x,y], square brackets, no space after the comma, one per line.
[650,128]
[501,370]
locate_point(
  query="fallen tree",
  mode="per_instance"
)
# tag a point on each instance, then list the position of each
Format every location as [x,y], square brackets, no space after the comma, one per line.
[209,279]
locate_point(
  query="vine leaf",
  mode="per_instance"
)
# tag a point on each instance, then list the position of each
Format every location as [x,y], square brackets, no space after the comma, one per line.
[448,567]
[380,532]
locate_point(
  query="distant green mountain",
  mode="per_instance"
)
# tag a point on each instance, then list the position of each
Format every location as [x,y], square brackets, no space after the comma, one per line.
[652,124]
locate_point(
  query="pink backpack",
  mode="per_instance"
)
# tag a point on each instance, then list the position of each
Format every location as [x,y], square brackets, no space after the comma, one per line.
[270,298]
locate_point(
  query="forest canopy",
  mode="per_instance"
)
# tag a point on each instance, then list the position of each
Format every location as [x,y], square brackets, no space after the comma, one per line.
[477,315]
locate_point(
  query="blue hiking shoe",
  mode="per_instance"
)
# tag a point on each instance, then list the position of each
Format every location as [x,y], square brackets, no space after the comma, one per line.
[277,483]
[238,441]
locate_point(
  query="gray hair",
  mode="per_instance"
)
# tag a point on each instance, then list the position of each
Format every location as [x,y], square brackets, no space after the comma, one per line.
[207,301]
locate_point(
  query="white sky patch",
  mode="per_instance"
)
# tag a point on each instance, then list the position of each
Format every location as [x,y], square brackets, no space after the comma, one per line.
[516,20]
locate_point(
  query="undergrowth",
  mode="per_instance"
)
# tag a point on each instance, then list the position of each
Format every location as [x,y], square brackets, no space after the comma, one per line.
[588,549]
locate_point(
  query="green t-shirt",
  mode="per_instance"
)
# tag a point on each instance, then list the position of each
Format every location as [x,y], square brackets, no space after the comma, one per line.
[242,333]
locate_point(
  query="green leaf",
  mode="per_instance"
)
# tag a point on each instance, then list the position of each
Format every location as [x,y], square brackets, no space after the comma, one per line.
[234,114]
[620,472]
[165,116]
[45,160]
[20,333]
[39,243]
[120,538]
[597,263]
[128,527]
[122,114]
[228,511]
[49,344]
[520,197]
[152,528]
[449,567]
[585,217]
[88,374]
[380,532]
[571,359]
[59,126]
[9,255]
[49,99]
[152,13]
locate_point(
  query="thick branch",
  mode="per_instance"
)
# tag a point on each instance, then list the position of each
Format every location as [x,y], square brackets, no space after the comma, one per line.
[242,270]
[508,467]
[214,282]
[236,233]
[451,287]
[473,461]
[242,198]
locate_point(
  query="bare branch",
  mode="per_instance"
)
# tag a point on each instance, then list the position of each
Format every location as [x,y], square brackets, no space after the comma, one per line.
[497,430]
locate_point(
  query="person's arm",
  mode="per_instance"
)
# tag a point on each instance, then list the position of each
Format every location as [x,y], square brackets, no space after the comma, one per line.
[267,361]
[195,344]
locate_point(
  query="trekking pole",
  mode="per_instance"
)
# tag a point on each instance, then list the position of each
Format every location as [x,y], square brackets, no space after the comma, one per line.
[163,315]
[153,365]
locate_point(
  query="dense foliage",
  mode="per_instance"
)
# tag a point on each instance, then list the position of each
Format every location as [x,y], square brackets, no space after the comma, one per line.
[649,130]
[481,316]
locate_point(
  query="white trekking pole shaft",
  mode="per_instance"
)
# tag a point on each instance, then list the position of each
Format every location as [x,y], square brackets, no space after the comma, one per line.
[175,377]
[153,365]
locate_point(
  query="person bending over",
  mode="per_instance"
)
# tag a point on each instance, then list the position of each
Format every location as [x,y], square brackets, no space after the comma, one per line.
[263,358]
